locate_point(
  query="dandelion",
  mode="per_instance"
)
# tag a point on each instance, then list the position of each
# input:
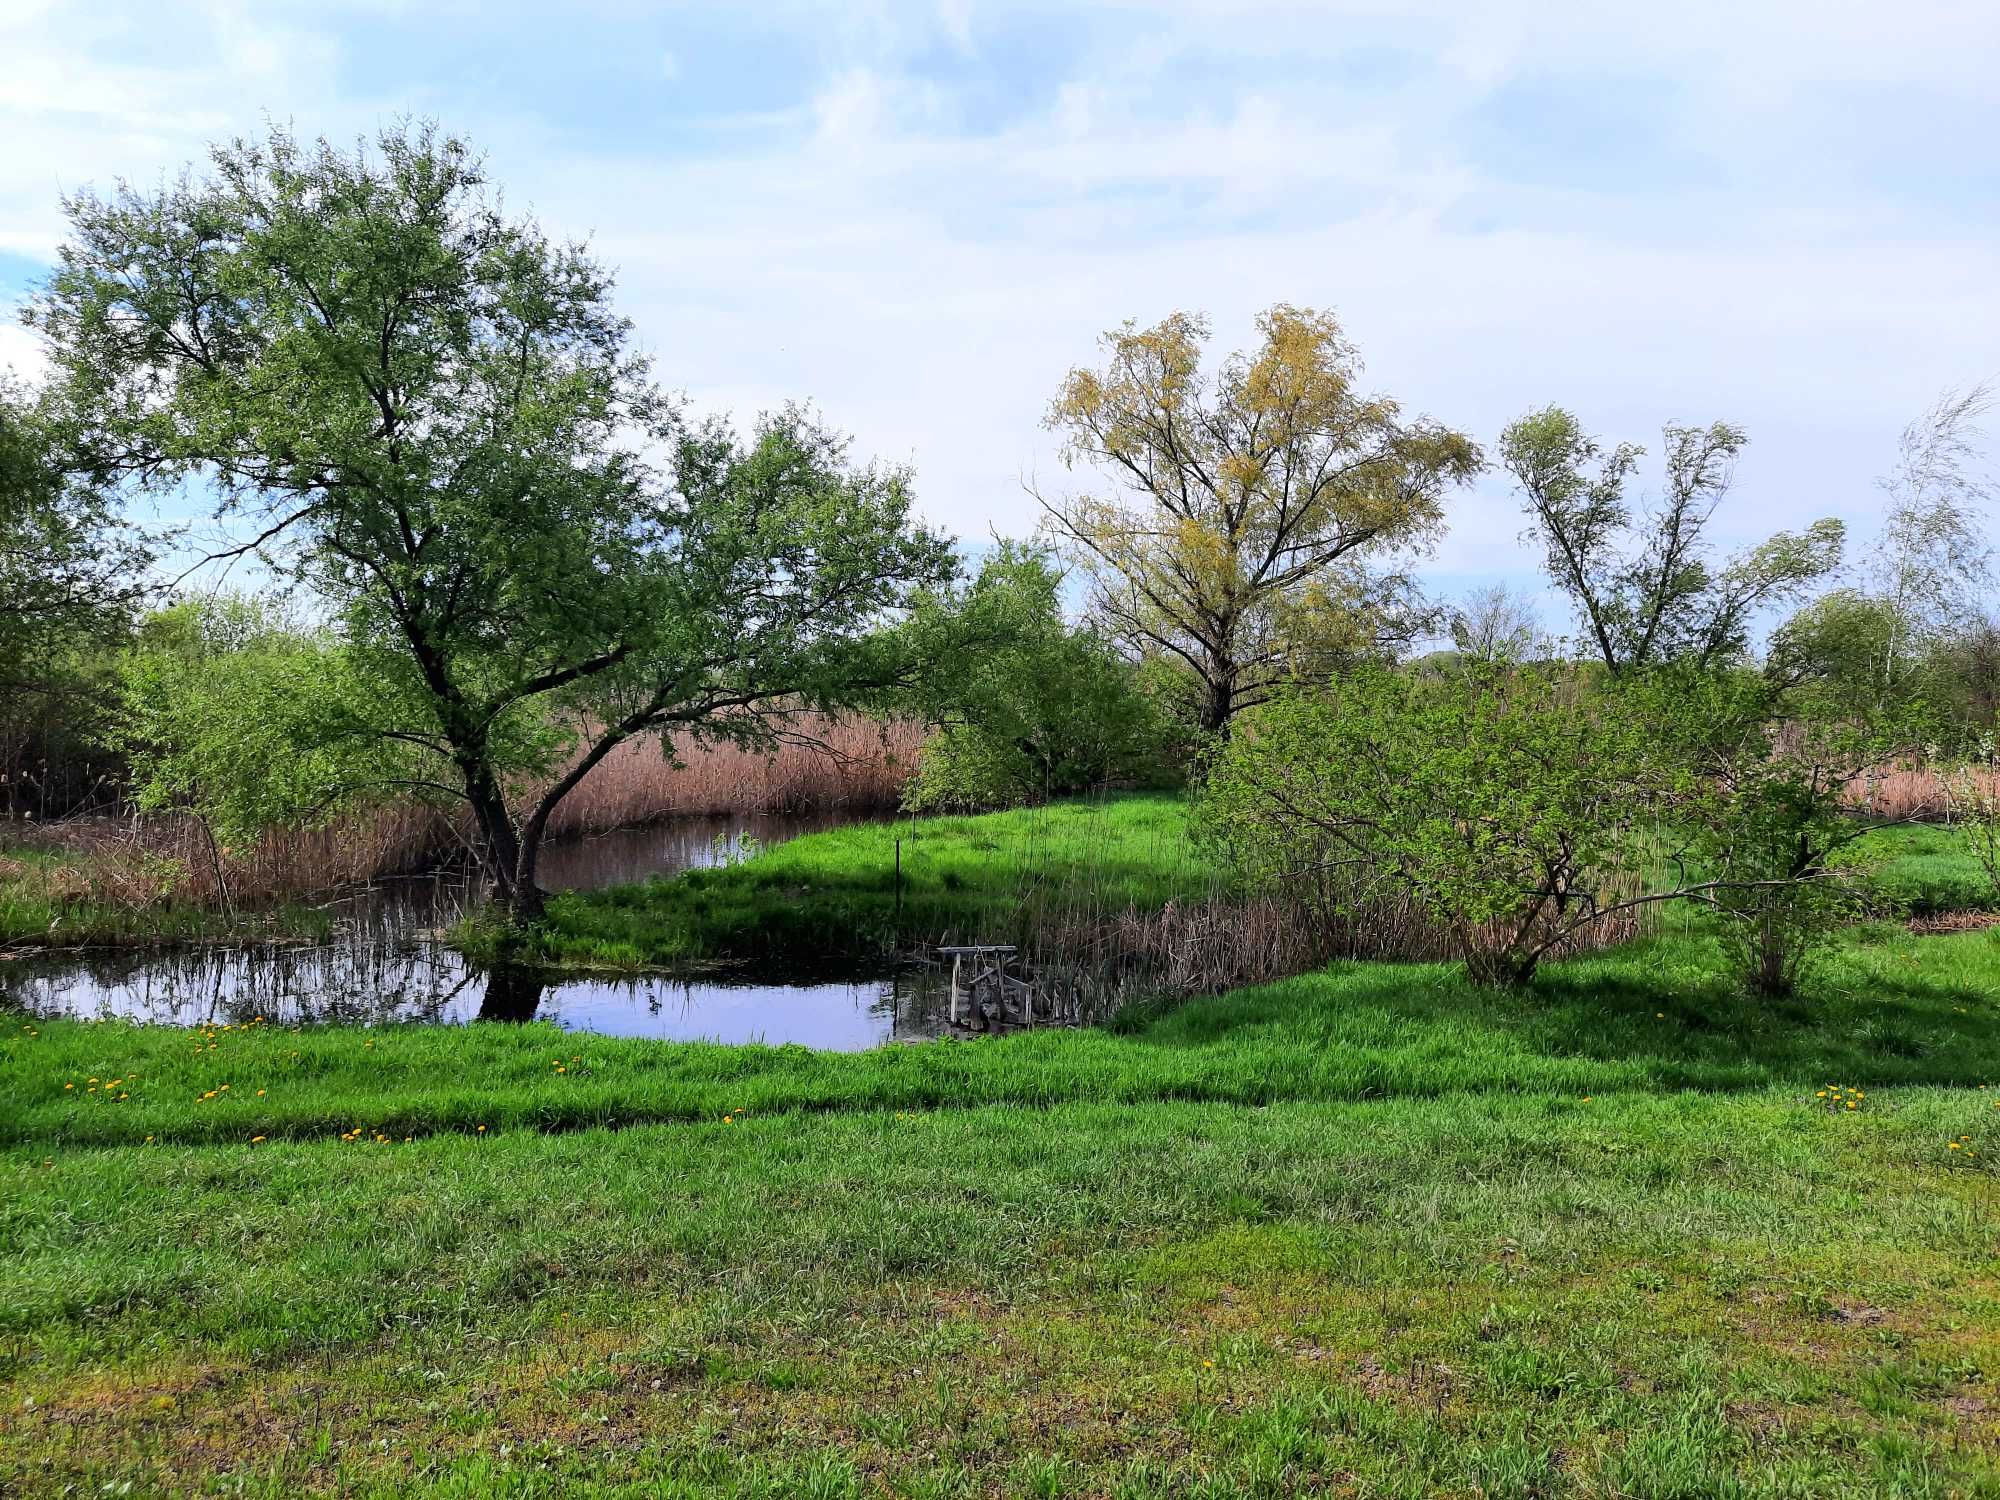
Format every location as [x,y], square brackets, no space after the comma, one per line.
[482,1130]
[256,1140]
[260,1093]
[69,1085]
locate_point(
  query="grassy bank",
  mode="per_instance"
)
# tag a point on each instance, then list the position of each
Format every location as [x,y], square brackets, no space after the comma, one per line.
[1002,877]
[51,899]
[1365,1232]
[1924,869]
[836,894]
[1655,1015]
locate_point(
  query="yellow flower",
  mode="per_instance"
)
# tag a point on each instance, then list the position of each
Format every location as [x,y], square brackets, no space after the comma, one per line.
[1852,1105]
[260,1093]
[255,1139]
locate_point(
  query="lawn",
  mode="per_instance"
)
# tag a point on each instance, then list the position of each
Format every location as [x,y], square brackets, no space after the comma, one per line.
[1365,1232]
[839,894]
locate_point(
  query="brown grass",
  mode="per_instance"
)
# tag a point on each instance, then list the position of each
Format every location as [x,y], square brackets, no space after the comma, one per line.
[1223,942]
[137,862]
[1910,793]
[857,765]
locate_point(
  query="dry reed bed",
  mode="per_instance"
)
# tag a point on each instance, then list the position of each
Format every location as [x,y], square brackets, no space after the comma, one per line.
[1912,793]
[139,862]
[1225,940]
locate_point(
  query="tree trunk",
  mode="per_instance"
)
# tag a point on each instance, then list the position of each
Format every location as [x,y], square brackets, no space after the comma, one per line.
[501,847]
[1219,703]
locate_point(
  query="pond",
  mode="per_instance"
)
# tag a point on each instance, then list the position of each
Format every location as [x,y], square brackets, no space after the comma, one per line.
[383,965]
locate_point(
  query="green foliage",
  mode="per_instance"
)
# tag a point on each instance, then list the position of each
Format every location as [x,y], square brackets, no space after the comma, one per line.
[1509,802]
[251,721]
[1036,708]
[1644,587]
[1973,792]
[1782,750]
[1250,520]
[71,574]
[1921,869]
[428,413]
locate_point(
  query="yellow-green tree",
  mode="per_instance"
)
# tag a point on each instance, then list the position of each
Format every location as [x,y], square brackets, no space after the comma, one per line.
[1249,520]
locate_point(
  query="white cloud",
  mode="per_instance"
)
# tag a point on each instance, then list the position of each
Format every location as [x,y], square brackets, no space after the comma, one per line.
[925,266]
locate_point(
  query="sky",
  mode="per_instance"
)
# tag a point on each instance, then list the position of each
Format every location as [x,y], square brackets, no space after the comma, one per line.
[919,216]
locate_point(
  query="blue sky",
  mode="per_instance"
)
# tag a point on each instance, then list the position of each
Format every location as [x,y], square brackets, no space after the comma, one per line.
[919,215]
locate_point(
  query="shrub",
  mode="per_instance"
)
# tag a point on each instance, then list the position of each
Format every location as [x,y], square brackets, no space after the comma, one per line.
[1972,792]
[1511,804]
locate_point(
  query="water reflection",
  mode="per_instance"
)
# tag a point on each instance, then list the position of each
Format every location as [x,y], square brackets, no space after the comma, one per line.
[384,967]
[512,994]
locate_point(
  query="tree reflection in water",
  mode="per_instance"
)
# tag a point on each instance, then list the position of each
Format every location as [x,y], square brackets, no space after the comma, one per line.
[512,994]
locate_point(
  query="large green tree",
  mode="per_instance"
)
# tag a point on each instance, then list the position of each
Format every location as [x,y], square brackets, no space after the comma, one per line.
[427,413]
[1646,586]
[1247,521]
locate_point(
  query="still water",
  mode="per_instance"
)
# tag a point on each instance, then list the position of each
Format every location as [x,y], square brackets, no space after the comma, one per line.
[382,965]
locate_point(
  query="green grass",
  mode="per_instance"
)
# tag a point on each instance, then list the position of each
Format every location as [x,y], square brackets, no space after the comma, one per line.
[1924,870]
[1367,1232]
[835,894]
[1655,1015]
[994,877]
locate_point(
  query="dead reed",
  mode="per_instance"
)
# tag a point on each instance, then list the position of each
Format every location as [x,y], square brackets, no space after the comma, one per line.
[138,862]
[1907,793]
[1224,939]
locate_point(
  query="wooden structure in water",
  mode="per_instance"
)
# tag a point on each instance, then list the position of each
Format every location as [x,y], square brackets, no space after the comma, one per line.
[988,994]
